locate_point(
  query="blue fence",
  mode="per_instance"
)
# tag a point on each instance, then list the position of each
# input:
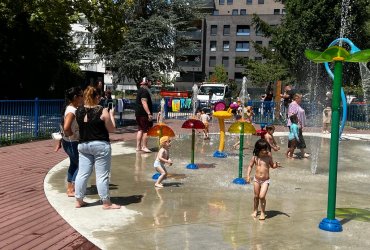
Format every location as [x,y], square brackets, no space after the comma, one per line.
[24,120]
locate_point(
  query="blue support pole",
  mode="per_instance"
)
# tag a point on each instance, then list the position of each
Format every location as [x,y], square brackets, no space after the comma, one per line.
[36,118]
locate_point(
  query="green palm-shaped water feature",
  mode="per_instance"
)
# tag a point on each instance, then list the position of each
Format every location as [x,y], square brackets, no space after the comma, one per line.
[338,55]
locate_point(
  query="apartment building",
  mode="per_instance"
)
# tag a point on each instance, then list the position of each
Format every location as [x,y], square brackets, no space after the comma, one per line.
[225,37]
[229,33]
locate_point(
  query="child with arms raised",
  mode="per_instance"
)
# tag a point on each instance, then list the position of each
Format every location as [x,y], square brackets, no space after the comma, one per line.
[162,158]
[263,161]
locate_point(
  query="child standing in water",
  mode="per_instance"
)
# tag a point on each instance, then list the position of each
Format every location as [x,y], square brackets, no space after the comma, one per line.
[293,137]
[205,119]
[263,160]
[269,137]
[162,158]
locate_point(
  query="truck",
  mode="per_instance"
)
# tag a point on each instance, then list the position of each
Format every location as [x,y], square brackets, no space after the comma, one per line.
[210,93]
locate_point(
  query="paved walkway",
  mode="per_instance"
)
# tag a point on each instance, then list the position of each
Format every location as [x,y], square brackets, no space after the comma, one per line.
[27,219]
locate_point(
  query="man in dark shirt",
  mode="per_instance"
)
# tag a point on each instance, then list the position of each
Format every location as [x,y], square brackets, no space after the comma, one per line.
[144,116]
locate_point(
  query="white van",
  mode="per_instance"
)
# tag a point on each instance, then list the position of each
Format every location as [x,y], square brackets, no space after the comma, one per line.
[219,91]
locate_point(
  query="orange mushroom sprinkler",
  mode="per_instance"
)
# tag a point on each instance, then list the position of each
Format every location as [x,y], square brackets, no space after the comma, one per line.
[221,115]
[241,127]
[192,124]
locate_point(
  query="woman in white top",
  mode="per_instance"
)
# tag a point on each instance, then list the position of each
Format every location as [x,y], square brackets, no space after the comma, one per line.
[71,136]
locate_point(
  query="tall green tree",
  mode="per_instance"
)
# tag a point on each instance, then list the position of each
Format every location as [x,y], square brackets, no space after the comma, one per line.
[315,24]
[220,75]
[143,39]
[37,58]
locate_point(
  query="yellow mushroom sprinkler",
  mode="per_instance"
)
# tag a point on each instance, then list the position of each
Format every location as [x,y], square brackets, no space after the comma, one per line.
[221,115]
[242,127]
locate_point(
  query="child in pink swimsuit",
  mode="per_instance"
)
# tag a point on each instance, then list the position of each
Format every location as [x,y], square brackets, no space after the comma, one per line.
[263,161]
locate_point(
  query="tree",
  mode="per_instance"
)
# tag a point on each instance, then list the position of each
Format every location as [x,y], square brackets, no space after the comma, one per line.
[38,58]
[220,75]
[314,25]
[146,35]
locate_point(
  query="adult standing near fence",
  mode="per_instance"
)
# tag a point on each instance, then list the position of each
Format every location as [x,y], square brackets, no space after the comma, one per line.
[144,116]
[95,123]
[295,109]
[287,96]
[71,135]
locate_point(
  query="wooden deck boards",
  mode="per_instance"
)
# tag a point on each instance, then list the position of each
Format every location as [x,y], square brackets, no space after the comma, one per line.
[27,219]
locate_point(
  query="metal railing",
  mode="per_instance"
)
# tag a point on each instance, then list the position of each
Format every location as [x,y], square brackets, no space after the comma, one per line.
[25,120]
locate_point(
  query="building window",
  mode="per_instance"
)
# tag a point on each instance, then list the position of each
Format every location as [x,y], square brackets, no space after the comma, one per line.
[221,2]
[226,30]
[249,2]
[259,42]
[276,11]
[238,77]
[243,30]
[226,46]
[212,61]
[259,32]
[235,12]
[213,30]
[242,46]
[216,12]
[213,45]
[225,61]
[240,61]
[243,12]
[258,58]
[283,11]
[229,2]
[261,1]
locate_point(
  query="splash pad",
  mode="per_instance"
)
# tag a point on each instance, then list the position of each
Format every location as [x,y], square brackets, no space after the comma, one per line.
[205,207]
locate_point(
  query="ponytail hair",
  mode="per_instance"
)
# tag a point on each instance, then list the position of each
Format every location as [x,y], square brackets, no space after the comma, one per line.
[69,96]
[90,95]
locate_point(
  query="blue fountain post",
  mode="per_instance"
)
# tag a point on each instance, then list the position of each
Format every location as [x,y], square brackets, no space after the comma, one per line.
[354,49]
[192,165]
[240,180]
[330,223]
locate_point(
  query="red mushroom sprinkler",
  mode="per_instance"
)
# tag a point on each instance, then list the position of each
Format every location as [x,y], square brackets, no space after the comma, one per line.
[338,55]
[192,124]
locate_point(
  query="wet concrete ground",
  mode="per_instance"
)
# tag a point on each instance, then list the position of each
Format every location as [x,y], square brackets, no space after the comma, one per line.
[203,209]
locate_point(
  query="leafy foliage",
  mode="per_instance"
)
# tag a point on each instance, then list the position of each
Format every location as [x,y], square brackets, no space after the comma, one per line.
[314,25]
[151,38]
[37,57]
[220,74]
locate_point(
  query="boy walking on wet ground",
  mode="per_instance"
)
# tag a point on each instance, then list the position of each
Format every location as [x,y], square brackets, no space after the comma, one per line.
[163,157]
[205,119]
[263,161]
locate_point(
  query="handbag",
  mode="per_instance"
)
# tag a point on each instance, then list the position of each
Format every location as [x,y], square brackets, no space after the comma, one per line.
[56,136]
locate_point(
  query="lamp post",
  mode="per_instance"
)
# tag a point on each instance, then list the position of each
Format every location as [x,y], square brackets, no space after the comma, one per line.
[193,75]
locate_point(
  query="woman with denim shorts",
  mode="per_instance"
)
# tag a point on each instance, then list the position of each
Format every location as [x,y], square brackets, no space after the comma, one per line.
[95,123]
